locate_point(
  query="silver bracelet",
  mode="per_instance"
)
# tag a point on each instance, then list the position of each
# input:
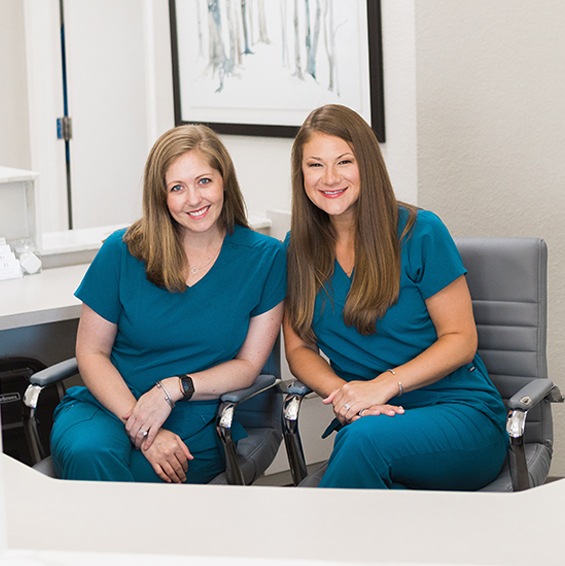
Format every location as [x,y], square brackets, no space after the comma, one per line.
[166,393]
[400,386]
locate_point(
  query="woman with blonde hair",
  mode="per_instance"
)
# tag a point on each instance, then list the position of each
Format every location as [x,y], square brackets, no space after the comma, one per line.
[378,287]
[178,309]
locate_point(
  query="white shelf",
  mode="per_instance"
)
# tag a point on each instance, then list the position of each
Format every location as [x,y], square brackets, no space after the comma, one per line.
[19,214]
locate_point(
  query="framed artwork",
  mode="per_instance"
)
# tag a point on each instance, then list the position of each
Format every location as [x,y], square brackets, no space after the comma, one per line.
[258,67]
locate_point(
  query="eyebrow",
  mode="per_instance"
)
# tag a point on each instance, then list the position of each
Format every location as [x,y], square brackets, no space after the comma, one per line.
[338,157]
[199,176]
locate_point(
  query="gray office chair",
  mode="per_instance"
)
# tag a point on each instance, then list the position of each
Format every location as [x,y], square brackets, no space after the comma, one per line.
[257,408]
[507,278]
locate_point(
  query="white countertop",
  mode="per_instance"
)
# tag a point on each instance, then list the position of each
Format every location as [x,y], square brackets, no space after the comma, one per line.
[41,298]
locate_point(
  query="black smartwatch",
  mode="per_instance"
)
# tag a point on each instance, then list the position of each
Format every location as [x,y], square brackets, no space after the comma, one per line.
[186,386]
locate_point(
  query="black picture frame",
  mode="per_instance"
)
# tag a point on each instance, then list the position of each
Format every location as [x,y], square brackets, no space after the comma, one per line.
[248,128]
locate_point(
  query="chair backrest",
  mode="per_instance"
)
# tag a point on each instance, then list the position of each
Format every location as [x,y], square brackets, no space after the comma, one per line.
[507,278]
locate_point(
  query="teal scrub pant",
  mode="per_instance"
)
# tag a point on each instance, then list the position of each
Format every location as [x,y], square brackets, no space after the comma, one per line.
[89,443]
[439,447]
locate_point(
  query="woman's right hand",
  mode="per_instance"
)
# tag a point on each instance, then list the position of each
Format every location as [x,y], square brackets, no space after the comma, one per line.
[169,456]
[145,419]
[348,407]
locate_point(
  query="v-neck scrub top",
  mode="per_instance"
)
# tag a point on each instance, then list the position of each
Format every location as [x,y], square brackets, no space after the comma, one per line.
[430,261]
[162,333]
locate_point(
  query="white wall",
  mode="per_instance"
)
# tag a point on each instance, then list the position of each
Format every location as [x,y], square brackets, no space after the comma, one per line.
[491,134]
[14,139]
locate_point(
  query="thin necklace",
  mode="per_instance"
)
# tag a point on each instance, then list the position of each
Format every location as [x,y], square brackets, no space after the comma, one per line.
[195,270]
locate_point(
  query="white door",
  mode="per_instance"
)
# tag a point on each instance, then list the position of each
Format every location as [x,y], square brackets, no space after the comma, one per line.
[107,44]
[106,87]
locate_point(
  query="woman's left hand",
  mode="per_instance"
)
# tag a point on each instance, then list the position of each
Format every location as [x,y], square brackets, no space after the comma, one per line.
[366,397]
[146,418]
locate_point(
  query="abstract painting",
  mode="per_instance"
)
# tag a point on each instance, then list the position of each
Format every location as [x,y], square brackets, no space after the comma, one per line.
[258,67]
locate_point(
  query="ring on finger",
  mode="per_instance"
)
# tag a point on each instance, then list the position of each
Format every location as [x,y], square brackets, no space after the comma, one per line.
[360,413]
[142,433]
[347,406]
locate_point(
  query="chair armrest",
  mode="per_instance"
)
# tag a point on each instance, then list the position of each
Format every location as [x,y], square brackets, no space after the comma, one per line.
[299,389]
[293,444]
[55,373]
[519,404]
[224,421]
[262,383]
[533,393]
[37,382]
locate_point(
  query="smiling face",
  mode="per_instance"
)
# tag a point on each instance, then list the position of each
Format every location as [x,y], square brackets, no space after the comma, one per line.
[195,193]
[331,175]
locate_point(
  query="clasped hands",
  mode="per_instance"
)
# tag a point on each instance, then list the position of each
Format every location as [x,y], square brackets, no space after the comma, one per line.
[165,451]
[357,399]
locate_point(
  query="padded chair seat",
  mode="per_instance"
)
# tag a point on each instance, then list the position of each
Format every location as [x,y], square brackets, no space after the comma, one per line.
[538,458]
[256,453]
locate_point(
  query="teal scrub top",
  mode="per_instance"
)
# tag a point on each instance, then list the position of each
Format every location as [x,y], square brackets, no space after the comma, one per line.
[430,261]
[162,333]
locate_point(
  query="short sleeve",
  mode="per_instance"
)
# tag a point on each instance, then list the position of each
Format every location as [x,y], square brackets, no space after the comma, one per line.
[99,288]
[274,279]
[432,258]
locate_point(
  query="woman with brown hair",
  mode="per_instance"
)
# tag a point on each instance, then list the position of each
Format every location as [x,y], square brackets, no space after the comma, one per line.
[378,287]
[180,308]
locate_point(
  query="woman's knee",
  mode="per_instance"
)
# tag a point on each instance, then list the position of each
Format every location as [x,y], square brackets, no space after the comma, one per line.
[87,443]
[372,431]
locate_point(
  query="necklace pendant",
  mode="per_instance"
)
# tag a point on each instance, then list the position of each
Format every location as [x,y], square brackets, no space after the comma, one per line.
[194,270]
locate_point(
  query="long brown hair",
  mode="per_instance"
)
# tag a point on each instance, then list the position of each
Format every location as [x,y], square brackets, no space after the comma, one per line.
[155,237]
[311,257]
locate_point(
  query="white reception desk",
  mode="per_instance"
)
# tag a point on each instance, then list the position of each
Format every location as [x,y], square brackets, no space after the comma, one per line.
[45,515]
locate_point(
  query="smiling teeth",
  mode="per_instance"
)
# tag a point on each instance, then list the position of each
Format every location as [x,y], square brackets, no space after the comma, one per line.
[333,192]
[198,213]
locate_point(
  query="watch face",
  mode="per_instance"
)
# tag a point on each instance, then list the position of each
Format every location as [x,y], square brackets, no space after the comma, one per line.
[187,386]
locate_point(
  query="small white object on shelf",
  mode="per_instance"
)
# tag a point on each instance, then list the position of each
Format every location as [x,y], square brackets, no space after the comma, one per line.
[9,264]
[28,256]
